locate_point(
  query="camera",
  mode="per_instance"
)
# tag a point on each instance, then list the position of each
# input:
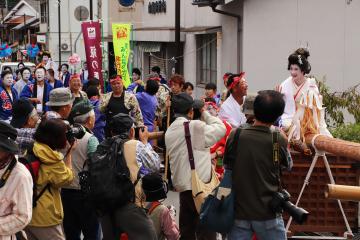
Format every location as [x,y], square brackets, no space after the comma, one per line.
[281,202]
[74,132]
[137,134]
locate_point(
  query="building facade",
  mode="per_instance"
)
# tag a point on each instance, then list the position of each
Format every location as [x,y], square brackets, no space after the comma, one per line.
[257,42]
[210,41]
[72,13]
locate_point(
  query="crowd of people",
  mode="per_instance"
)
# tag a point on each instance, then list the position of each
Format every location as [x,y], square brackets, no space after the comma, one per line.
[63,122]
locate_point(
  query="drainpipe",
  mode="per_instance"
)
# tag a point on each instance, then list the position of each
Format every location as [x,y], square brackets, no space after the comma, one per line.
[213,7]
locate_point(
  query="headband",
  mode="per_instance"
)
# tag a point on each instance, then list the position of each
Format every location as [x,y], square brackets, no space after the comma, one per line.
[116,79]
[155,78]
[236,80]
[75,76]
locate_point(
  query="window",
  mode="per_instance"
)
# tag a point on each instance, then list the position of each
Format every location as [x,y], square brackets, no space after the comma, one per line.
[206,58]
[43,12]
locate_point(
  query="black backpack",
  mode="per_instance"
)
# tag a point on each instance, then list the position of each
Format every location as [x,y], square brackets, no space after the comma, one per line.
[106,185]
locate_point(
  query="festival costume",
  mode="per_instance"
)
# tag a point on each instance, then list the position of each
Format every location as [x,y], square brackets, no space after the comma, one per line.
[303,109]
[6,102]
[29,91]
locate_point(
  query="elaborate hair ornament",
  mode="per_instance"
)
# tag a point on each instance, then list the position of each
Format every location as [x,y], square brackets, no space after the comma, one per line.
[299,60]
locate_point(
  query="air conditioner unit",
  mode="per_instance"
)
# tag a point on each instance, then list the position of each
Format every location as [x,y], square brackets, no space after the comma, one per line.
[207,3]
[65,46]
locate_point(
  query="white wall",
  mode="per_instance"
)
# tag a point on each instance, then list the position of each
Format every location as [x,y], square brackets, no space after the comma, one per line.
[275,28]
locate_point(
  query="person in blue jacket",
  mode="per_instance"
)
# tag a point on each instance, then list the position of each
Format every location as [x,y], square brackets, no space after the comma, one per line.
[65,74]
[100,118]
[39,91]
[137,85]
[51,79]
[8,95]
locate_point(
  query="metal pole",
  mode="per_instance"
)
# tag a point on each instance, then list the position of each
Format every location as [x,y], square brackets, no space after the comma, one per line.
[25,28]
[91,10]
[59,30]
[177,36]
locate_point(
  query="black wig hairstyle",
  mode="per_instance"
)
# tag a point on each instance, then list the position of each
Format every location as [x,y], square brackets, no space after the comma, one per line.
[300,58]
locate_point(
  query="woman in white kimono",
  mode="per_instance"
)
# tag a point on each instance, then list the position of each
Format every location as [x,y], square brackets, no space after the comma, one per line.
[295,85]
[303,102]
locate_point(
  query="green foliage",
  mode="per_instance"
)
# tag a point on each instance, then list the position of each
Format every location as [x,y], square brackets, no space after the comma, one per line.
[349,132]
[337,102]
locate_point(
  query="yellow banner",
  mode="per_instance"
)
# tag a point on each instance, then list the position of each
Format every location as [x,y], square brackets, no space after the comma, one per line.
[121,40]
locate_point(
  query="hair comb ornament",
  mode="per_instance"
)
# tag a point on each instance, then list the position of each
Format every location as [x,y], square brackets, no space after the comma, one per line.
[299,60]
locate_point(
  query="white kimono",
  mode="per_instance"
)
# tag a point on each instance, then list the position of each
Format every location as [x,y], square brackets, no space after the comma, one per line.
[296,99]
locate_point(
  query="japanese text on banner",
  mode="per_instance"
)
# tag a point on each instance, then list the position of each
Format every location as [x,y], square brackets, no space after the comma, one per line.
[121,41]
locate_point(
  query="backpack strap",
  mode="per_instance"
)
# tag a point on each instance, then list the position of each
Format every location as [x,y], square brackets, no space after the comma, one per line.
[153,206]
[188,144]
[36,197]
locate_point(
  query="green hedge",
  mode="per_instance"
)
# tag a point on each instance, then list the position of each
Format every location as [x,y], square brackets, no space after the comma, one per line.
[350,132]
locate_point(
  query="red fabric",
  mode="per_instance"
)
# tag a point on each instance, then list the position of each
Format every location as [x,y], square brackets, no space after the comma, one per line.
[124,236]
[117,79]
[236,80]
[220,145]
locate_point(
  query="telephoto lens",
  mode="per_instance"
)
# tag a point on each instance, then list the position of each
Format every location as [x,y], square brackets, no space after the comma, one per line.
[281,202]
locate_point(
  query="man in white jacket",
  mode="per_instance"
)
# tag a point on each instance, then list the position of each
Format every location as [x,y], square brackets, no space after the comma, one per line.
[16,187]
[204,134]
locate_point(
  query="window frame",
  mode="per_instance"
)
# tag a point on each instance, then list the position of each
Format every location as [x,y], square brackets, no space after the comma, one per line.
[206,59]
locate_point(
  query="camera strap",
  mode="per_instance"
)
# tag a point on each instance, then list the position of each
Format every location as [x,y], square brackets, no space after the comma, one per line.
[5,176]
[276,156]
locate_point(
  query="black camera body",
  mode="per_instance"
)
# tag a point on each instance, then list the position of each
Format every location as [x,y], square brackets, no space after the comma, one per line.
[281,202]
[74,132]
[137,132]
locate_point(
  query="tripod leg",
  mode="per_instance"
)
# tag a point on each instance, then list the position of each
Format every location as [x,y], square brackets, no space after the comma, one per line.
[332,181]
[306,182]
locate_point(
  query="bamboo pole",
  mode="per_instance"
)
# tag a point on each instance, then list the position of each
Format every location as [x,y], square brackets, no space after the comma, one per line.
[167,153]
[343,192]
[335,146]
[156,135]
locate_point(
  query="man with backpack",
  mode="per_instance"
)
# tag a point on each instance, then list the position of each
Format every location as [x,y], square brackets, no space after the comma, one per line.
[79,217]
[113,182]
[15,187]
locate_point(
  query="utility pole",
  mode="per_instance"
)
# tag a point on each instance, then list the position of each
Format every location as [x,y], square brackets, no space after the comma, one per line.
[59,29]
[25,28]
[177,35]
[91,10]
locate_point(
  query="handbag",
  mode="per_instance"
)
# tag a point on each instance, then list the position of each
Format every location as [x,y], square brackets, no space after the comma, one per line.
[218,211]
[200,190]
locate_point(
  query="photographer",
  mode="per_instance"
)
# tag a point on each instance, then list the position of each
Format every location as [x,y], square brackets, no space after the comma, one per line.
[79,217]
[140,160]
[256,173]
[54,173]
